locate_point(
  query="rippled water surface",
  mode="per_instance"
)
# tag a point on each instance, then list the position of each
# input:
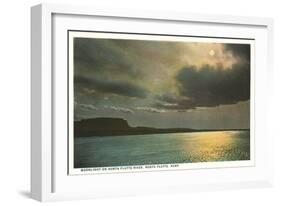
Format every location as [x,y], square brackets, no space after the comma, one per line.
[161,148]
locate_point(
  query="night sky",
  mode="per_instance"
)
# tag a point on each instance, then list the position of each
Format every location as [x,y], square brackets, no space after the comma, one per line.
[163,84]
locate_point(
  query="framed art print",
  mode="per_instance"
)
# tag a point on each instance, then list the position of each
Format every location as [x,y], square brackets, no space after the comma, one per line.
[144,102]
[134,103]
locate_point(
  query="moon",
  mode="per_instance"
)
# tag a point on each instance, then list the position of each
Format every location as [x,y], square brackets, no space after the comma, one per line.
[212,52]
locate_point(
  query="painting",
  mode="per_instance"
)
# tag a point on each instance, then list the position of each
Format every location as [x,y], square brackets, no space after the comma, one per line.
[144,102]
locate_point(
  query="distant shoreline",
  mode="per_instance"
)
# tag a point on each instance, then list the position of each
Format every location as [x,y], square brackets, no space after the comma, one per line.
[99,127]
[171,132]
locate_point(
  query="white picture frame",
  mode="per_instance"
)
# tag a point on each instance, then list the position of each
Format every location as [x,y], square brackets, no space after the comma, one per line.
[49,177]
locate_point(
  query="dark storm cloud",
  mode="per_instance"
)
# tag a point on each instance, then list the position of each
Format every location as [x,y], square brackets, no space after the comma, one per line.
[102,55]
[209,87]
[111,86]
[241,51]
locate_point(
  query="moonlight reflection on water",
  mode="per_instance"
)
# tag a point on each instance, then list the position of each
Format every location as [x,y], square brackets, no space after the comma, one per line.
[161,149]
